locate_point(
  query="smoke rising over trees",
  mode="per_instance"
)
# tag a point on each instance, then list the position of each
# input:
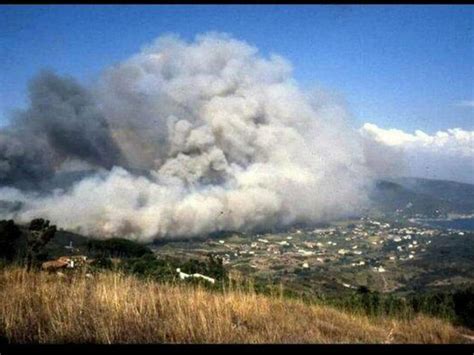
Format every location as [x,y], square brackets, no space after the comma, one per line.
[184,138]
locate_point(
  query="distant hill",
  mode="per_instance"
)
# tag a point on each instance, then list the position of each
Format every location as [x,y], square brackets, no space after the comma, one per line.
[62,239]
[460,194]
[422,196]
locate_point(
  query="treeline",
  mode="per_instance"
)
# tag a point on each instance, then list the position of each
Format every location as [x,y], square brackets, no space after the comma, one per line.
[456,306]
[139,260]
[164,268]
[27,246]
[116,248]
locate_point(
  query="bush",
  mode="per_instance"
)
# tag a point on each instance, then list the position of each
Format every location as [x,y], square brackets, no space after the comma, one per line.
[455,306]
[103,262]
[149,266]
[435,304]
[40,233]
[165,269]
[463,300]
[9,237]
[13,246]
[117,248]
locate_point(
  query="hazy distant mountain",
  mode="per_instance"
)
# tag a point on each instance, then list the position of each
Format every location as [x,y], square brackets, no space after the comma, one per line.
[461,194]
[422,196]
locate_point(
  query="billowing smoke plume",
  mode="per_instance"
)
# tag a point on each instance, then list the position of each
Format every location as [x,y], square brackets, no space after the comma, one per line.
[204,136]
[62,123]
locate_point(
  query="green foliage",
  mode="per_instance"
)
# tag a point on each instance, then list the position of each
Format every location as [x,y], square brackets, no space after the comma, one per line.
[103,262]
[117,248]
[213,267]
[151,267]
[463,300]
[16,246]
[435,304]
[455,306]
[164,269]
[9,237]
[40,233]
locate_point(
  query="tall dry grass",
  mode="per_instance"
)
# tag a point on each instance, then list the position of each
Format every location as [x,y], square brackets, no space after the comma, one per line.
[112,308]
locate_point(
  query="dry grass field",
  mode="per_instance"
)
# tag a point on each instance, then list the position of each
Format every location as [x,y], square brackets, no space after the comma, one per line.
[112,308]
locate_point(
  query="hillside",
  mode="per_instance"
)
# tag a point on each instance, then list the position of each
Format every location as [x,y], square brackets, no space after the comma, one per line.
[112,308]
[460,193]
[430,198]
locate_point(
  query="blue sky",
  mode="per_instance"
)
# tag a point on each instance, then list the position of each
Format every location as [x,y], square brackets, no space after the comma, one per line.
[405,67]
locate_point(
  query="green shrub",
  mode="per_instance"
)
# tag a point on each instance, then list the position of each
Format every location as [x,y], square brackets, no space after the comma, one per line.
[463,300]
[103,262]
[117,248]
[40,233]
[10,234]
[149,266]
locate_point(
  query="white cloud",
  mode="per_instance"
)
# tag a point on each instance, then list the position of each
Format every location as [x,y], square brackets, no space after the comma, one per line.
[455,140]
[444,155]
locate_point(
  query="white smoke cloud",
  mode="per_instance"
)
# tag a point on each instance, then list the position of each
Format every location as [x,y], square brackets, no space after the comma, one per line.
[445,155]
[227,139]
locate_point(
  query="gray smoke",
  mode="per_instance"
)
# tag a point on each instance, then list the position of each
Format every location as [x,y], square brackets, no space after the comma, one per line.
[223,137]
[61,125]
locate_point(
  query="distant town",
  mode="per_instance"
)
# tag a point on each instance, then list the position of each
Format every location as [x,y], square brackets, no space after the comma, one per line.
[364,252]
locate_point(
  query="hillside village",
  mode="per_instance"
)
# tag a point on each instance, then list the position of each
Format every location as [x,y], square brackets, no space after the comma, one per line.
[383,255]
[354,254]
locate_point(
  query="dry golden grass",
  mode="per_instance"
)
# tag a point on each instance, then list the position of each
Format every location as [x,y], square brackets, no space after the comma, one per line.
[113,308]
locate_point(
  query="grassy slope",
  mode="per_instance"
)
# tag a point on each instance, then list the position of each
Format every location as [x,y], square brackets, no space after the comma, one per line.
[112,308]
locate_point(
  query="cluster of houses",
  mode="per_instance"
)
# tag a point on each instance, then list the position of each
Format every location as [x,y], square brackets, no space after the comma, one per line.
[357,242]
[367,246]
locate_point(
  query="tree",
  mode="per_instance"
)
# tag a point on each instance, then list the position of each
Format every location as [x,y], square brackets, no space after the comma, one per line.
[464,305]
[40,233]
[117,248]
[9,236]
[215,268]
[363,290]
